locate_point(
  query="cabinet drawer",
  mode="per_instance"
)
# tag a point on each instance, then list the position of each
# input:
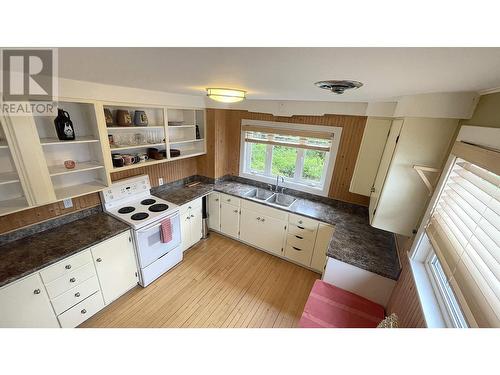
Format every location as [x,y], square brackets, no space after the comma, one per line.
[301,256]
[300,242]
[66,265]
[75,295]
[70,280]
[303,222]
[302,232]
[81,312]
[229,199]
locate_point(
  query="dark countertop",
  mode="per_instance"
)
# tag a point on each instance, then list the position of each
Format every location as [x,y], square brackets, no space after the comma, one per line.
[29,254]
[354,241]
[182,195]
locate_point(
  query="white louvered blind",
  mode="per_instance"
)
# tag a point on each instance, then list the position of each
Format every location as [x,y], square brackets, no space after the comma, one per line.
[464,229]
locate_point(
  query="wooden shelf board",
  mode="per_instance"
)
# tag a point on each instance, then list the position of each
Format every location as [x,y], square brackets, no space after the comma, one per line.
[8,178]
[77,190]
[56,141]
[137,146]
[57,170]
[134,127]
[186,141]
[184,156]
[139,165]
[181,126]
[13,205]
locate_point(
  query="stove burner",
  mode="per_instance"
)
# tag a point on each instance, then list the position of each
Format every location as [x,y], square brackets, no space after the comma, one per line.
[148,201]
[139,216]
[126,210]
[158,207]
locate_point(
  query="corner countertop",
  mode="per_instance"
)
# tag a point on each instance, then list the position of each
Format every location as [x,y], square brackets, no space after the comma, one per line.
[354,241]
[30,254]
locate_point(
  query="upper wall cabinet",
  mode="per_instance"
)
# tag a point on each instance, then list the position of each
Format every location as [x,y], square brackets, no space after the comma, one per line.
[369,155]
[399,195]
[89,173]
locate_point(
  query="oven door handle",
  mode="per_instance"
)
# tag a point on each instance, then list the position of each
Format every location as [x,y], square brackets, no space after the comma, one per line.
[157,224]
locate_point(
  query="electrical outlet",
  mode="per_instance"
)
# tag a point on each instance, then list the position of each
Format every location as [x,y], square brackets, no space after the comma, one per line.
[160,181]
[68,203]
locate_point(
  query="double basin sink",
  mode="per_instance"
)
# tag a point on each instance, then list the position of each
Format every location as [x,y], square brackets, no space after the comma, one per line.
[274,199]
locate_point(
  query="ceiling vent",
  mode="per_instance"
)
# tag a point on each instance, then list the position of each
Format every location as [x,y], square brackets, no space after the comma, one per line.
[338,87]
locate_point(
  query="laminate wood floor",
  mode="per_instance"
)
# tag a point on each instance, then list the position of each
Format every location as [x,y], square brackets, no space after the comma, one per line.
[220,283]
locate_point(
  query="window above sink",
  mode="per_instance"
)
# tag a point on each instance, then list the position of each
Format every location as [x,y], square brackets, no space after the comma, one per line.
[304,155]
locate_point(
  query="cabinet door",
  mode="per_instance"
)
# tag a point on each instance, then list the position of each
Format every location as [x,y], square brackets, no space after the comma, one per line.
[26,304]
[262,231]
[195,224]
[214,211]
[323,239]
[250,226]
[116,267]
[229,220]
[185,227]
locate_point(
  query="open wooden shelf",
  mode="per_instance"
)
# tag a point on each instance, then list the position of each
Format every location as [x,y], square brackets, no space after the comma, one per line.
[56,141]
[188,155]
[181,126]
[148,145]
[12,205]
[8,178]
[139,165]
[78,190]
[186,141]
[57,170]
[134,127]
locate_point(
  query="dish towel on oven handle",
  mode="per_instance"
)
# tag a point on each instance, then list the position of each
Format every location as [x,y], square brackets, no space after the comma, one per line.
[166,231]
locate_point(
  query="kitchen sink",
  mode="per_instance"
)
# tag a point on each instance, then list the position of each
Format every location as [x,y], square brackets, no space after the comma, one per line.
[281,200]
[259,194]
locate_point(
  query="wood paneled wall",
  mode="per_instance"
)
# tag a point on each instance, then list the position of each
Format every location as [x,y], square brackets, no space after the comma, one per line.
[35,215]
[226,128]
[169,171]
[404,301]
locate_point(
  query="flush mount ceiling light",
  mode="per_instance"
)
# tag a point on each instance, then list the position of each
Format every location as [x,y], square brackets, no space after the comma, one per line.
[338,87]
[226,95]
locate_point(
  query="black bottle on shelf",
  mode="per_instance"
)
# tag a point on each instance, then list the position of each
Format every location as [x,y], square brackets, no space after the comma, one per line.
[64,126]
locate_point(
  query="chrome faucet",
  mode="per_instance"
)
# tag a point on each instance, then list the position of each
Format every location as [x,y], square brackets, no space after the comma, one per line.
[278,183]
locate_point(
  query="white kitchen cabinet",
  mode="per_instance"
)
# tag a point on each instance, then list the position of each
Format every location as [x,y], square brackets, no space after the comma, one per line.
[369,155]
[261,230]
[191,223]
[214,211]
[229,219]
[399,196]
[116,267]
[323,238]
[25,303]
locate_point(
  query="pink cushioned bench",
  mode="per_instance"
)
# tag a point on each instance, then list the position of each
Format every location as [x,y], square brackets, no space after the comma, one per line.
[332,307]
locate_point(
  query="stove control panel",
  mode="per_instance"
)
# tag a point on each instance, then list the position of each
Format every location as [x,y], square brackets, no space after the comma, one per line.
[129,188]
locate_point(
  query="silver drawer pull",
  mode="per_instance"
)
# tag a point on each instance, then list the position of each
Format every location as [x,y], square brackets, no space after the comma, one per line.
[189,207]
[37,291]
[258,218]
[300,221]
[229,199]
[262,219]
[99,260]
[216,199]
[296,248]
[192,215]
[300,227]
[83,311]
[299,237]
[72,280]
[235,211]
[77,294]
[68,266]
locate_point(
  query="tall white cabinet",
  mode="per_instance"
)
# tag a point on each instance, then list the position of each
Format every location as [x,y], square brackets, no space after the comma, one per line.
[399,195]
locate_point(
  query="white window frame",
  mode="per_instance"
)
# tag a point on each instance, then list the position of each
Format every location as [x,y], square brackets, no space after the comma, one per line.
[322,188]
[435,305]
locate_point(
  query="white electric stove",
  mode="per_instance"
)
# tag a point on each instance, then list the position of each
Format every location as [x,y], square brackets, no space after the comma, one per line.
[130,201]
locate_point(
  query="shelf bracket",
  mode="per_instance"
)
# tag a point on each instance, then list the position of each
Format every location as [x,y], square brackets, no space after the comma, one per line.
[420,169]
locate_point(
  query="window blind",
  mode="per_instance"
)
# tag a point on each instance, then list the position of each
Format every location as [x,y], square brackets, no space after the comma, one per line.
[318,141]
[464,229]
